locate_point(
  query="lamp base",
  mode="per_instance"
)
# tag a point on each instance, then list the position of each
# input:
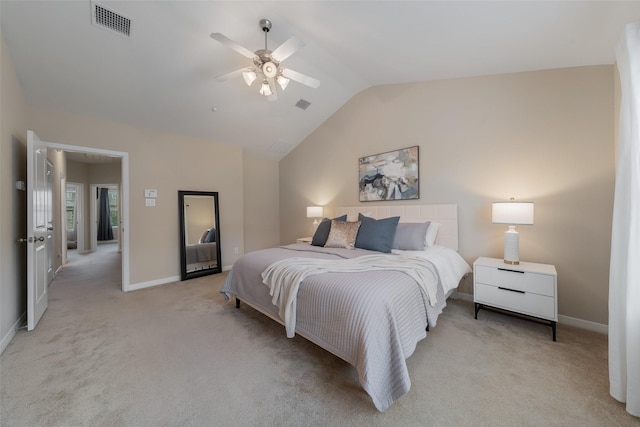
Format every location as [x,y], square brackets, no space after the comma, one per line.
[511,244]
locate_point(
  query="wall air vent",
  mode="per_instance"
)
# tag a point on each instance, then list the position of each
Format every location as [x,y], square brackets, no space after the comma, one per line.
[303,104]
[107,18]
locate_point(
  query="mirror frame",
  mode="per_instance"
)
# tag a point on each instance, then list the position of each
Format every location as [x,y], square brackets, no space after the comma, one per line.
[184,274]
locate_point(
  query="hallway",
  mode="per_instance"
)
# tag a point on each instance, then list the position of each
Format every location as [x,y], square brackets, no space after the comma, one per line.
[96,272]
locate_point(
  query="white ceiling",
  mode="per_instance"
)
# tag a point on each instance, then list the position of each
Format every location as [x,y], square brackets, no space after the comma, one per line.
[162,77]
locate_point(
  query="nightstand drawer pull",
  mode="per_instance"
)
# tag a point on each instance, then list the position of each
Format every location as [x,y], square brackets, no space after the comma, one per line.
[511,290]
[513,271]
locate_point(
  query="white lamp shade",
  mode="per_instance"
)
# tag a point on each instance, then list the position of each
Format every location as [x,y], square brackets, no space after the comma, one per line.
[515,213]
[249,77]
[314,212]
[282,81]
[265,89]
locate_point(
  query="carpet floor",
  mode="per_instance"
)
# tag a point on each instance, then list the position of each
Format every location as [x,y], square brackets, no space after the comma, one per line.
[179,355]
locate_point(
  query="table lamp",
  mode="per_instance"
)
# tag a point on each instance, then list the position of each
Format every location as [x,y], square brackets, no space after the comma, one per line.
[315,212]
[512,213]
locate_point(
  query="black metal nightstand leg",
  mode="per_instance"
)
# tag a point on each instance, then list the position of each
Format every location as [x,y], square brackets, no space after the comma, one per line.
[553,328]
[237,303]
[478,307]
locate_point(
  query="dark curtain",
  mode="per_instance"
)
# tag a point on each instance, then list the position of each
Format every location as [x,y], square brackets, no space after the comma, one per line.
[104,215]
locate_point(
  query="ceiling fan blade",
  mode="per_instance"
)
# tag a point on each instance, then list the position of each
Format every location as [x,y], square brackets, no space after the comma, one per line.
[287,48]
[301,78]
[233,45]
[227,76]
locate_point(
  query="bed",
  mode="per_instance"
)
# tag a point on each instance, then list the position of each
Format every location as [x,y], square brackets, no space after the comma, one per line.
[369,308]
[204,254]
[201,255]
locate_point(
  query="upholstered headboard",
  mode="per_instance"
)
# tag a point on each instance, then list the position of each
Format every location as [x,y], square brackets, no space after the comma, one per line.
[446,214]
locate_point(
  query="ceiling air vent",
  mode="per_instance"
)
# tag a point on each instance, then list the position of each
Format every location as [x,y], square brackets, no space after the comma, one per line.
[110,19]
[303,104]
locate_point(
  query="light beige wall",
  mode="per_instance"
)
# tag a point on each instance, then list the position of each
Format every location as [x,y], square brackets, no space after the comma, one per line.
[545,136]
[13,161]
[59,162]
[261,204]
[165,162]
[105,173]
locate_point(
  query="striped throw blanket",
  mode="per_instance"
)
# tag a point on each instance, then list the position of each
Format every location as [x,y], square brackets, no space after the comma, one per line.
[284,277]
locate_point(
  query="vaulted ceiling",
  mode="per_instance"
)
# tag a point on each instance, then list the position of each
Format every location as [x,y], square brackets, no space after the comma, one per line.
[162,75]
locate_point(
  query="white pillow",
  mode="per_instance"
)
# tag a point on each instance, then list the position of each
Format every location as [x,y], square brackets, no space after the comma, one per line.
[432,233]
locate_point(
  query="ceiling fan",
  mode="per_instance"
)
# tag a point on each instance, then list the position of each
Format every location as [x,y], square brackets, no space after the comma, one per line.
[267,64]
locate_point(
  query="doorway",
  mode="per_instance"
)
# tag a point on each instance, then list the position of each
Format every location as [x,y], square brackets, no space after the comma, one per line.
[73,214]
[98,216]
[75,221]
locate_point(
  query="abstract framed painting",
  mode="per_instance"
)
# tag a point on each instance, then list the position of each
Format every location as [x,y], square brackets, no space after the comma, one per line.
[393,175]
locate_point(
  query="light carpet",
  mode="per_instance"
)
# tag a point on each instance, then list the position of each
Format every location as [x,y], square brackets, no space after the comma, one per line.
[179,355]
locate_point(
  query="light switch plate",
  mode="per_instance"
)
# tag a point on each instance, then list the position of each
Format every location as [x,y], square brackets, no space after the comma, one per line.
[150,194]
[150,202]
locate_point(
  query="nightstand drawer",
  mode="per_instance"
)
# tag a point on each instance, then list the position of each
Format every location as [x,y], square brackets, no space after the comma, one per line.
[526,302]
[506,277]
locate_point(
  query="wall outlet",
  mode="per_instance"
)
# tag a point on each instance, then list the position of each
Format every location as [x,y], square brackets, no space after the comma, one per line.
[235,251]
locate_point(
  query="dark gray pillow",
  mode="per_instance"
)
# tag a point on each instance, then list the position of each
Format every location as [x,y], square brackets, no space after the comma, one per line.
[322,232]
[376,234]
[410,236]
[211,236]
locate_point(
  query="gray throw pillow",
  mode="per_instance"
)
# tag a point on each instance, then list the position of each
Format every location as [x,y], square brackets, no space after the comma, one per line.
[410,236]
[376,234]
[322,232]
[211,236]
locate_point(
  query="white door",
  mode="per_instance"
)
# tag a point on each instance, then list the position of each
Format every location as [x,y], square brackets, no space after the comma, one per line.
[39,229]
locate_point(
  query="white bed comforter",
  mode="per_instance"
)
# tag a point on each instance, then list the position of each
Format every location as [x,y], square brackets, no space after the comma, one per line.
[284,277]
[373,319]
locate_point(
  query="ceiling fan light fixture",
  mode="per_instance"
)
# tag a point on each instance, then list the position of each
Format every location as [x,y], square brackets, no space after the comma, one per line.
[269,69]
[249,77]
[282,81]
[266,64]
[265,89]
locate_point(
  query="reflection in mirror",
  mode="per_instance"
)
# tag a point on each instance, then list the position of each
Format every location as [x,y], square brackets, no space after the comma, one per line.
[199,234]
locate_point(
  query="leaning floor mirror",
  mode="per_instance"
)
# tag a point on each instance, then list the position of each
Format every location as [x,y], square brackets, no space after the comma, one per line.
[199,234]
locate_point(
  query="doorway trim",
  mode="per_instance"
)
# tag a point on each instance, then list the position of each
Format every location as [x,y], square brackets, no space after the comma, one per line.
[124,200]
[80,217]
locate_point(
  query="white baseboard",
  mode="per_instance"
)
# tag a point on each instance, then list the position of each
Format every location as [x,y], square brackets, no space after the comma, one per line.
[151,283]
[584,324]
[6,339]
[565,320]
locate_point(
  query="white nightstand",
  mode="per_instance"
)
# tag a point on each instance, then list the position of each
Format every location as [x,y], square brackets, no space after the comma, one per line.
[306,240]
[527,288]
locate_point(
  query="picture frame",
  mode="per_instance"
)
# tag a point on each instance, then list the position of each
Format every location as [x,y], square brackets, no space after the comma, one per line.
[393,175]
